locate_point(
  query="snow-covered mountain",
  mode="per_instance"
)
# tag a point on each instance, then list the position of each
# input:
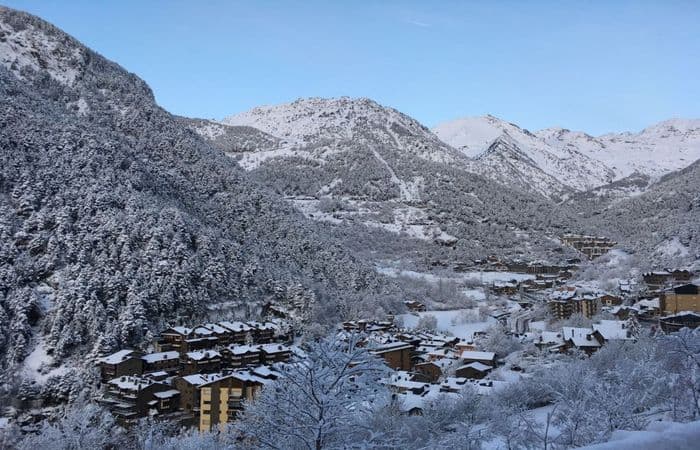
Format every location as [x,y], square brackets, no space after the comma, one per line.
[354,161]
[572,159]
[115,219]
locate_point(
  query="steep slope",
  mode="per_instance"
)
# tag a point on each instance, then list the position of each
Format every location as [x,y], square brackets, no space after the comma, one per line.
[355,162]
[661,225]
[116,219]
[575,160]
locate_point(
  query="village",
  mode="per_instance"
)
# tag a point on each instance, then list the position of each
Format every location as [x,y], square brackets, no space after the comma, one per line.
[201,376]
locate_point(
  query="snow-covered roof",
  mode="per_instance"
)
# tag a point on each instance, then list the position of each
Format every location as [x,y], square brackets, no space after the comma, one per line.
[273,348]
[408,384]
[612,329]
[243,349]
[203,331]
[476,366]
[647,304]
[117,357]
[180,330]
[454,383]
[235,326]
[250,377]
[162,356]
[131,383]
[200,379]
[392,346]
[485,356]
[441,363]
[581,337]
[203,354]
[216,328]
[681,314]
[167,394]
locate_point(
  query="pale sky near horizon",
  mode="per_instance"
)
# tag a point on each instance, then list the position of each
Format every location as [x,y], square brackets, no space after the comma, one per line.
[595,66]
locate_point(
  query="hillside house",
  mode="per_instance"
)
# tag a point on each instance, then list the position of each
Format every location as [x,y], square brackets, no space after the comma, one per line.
[238,356]
[129,398]
[123,362]
[432,371]
[201,361]
[487,358]
[161,361]
[583,339]
[609,330]
[173,339]
[473,370]
[397,355]
[274,353]
[240,331]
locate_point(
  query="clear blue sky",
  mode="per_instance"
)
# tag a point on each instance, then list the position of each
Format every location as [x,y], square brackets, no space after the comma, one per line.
[596,66]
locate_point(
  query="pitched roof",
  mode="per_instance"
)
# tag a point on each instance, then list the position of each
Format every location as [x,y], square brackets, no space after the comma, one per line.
[476,366]
[486,356]
[117,357]
[162,356]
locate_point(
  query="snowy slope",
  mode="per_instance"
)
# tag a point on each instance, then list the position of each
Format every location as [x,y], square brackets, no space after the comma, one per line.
[573,159]
[315,121]
[659,149]
[354,160]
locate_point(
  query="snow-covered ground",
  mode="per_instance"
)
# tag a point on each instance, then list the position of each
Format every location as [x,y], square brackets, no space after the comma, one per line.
[448,322]
[36,361]
[485,278]
[658,435]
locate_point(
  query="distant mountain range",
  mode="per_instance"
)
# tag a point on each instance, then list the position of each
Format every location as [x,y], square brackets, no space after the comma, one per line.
[555,160]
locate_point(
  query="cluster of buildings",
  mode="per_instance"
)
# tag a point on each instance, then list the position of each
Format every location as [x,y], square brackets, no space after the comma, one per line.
[591,246]
[196,376]
[584,339]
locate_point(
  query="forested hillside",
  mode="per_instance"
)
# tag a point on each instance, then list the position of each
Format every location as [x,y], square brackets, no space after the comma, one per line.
[115,219]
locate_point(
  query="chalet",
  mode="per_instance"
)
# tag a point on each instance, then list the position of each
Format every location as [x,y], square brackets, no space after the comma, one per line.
[162,361]
[488,358]
[173,339]
[274,353]
[123,362]
[129,398]
[552,341]
[199,342]
[263,332]
[686,319]
[415,306]
[680,298]
[464,346]
[581,338]
[432,371]
[473,370]
[610,300]
[241,332]
[200,361]
[237,356]
[609,330]
[223,335]
[397,355]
